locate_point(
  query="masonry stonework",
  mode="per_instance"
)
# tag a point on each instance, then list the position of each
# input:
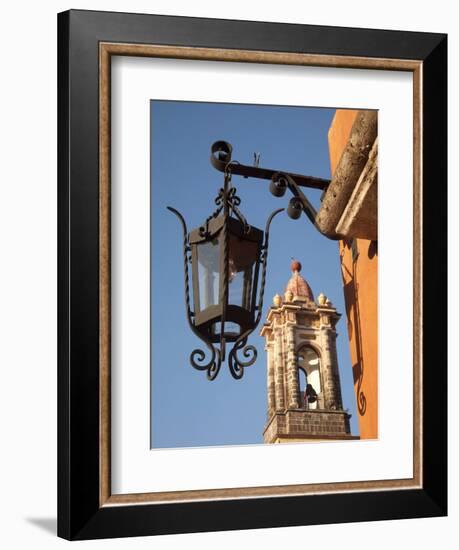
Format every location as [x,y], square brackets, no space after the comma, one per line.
[300,337]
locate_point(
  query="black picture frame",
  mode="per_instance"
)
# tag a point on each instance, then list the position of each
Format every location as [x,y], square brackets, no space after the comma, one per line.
[80,515]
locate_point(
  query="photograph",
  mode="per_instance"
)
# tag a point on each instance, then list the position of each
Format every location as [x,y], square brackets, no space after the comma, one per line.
[264,274]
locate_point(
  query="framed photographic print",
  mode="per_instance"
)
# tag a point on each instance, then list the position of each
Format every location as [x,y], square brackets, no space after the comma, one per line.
[252,275]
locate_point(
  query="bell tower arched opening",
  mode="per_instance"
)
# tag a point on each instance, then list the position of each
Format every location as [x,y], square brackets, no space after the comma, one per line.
[308,362]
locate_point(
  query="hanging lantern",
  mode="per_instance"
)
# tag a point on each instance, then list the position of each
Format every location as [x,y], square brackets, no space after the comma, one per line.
[226,255]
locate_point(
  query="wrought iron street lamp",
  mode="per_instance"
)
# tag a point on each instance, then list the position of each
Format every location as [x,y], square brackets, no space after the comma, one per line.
[226,256]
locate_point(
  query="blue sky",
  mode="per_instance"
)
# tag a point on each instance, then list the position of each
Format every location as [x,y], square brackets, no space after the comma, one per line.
[187,409]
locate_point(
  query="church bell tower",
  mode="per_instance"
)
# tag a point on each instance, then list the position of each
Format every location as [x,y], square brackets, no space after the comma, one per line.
[304,391]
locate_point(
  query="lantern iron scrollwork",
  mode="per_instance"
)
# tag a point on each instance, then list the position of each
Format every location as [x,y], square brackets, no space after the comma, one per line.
[225,255]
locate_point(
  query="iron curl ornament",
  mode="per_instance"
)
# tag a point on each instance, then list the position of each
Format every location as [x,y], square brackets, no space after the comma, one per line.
[226,256]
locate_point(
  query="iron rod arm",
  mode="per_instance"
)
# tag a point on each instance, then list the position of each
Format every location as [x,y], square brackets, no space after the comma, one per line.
[220,157]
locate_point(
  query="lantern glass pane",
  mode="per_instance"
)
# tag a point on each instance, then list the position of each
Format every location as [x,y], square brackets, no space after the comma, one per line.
[208,254]
[242,259]
[230,328]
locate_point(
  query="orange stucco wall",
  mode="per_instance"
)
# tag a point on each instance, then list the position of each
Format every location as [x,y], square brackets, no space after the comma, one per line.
[359,266]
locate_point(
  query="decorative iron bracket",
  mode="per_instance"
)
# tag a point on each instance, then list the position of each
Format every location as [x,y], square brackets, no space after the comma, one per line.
[221,158]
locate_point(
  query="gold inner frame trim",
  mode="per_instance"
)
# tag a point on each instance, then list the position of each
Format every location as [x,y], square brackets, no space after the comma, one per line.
[106,50]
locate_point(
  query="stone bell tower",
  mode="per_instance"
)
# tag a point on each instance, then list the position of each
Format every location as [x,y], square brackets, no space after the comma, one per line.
[304,391]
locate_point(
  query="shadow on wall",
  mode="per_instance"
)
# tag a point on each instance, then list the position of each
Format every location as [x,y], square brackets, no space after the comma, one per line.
[351,290]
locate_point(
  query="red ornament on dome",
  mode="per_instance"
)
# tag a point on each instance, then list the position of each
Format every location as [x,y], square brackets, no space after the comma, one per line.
[296,265]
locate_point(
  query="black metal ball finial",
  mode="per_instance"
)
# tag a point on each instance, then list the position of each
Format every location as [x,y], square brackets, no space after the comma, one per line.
[294,208]
[278,185]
